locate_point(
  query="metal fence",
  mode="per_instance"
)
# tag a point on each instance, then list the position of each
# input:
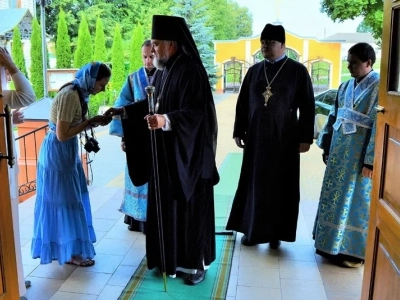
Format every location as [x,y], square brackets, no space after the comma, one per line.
[29,150]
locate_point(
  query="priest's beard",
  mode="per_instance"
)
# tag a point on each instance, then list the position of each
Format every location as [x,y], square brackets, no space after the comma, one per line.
[161,61]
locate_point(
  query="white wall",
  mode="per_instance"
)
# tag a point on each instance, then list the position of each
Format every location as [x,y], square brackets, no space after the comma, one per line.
[29,4]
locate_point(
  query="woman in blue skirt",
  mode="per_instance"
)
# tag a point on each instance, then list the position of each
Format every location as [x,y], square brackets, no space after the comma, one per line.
[63,229]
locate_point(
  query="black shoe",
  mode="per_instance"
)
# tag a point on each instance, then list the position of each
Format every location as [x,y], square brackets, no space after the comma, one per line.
[245,241]
[180,274]
[130,228]
[194,279]
[274,244]
[28,283]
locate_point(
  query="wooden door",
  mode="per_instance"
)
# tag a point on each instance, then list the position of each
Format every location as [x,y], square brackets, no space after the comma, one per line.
[382,266]
[8,267]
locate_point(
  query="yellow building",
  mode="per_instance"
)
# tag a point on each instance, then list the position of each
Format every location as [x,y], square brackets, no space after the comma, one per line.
[322,59]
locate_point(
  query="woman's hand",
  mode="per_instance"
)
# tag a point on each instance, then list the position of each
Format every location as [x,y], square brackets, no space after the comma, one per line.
[99,120]
[7,62]
[17,116]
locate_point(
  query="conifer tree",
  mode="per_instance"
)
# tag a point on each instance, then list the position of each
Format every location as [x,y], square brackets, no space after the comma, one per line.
[37,60]
[100,50]
[100,54]
[194,12]
[84,52]
[135,51]
[17,51]
[117,61]
[63,43]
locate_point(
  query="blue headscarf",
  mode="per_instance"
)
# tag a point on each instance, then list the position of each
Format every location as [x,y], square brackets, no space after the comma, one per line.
[85,79]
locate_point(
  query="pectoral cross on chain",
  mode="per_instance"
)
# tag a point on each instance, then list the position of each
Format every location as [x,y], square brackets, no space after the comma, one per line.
[267,94]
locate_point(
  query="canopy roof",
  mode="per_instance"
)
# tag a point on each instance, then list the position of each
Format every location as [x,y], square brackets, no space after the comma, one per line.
[10,18]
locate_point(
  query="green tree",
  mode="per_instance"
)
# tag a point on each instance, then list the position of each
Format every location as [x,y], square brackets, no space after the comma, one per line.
[243,20]
[126,12]
[100,54]
[371,10]
[135,52]
[194,12]
[117,61]
[84,52]
[17,52]
[37,60]
[228,20]
[100,50]
[362,27]
[118,76]
[154,7]
[63,43]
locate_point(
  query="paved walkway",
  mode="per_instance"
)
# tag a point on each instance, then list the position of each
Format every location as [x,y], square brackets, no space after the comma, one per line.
[293,272]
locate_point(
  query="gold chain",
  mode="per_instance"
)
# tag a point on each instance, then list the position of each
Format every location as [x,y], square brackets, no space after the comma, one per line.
[268,93]
[265,71]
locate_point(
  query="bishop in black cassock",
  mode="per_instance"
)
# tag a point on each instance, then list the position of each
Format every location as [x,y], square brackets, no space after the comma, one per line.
[185,152]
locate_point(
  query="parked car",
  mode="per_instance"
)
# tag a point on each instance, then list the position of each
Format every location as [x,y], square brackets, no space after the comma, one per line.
[323,104]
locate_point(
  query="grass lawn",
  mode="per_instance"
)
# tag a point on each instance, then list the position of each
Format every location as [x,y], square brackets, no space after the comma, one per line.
[345,72]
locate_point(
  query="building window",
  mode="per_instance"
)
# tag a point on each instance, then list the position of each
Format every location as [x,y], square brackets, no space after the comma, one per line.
[13,3]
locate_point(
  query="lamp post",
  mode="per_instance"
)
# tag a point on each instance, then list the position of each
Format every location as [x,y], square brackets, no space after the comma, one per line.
[43,4]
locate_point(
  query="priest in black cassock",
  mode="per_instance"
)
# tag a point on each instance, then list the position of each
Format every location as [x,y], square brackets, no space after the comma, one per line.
[274,123]
[185,125]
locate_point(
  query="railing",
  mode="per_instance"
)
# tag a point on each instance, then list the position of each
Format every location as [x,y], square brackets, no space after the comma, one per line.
[29,145]
[29,151]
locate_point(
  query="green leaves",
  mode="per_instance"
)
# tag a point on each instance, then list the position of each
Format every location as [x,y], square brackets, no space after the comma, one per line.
[63,43]
[371,10]
[37,60]
[17,52]
[84,52]
[135,51]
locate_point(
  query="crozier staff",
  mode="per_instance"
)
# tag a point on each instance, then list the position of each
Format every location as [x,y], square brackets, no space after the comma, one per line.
[186,129]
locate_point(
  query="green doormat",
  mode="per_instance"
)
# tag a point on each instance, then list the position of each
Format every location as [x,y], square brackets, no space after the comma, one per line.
[148,284]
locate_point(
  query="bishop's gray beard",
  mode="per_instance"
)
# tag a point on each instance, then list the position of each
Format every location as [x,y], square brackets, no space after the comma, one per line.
[160,63]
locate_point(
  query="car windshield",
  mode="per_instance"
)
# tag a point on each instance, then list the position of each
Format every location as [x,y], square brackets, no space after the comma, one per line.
[327,97]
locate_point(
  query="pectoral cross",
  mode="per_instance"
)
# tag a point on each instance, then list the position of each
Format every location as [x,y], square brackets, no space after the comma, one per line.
[267,94]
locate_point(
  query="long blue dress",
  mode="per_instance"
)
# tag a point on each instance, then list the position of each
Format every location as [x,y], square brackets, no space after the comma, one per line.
[341,225]
[63,220]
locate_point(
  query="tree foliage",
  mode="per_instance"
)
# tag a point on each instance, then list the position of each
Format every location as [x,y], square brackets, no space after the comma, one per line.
[37,60]
[117,61]
[194,13]
[100,50]
[135,50]
[228,20]
[362,27]
[242,21]
[83,52]
[63,43]
[125,12]
[371,10]
[17,51]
